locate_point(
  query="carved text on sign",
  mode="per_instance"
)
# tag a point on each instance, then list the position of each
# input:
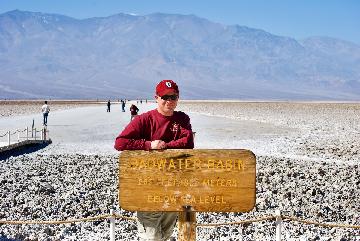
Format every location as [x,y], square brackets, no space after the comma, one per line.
[186,164]
[206,180]
[193,182]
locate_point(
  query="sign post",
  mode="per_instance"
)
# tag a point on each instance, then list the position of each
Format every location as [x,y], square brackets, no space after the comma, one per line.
[187,181]
[187,225]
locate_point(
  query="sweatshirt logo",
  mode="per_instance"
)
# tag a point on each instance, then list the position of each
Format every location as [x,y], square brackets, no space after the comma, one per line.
[175,127]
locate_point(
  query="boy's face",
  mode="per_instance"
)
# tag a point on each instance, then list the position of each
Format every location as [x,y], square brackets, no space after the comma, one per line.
[167,103]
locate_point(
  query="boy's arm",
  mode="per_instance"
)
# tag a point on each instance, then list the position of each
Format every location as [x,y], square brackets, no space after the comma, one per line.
[130,138]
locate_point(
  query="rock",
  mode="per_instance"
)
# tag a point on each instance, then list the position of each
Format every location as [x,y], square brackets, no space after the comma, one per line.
[48,231]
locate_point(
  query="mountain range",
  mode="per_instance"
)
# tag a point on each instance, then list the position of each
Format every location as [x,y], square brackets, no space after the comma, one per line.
[124,56]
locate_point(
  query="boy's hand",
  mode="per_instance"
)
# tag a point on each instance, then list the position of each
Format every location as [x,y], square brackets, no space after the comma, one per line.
[158,144]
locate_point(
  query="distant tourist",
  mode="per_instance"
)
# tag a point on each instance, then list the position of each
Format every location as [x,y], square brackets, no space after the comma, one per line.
[108,106]
[161,128]
[123,105]
[45,110]
[133,111]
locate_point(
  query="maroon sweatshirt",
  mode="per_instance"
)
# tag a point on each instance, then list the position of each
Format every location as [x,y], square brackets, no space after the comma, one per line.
[174,130]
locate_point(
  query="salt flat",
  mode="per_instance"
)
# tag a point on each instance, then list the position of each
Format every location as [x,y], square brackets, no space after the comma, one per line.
[307,166]
[72,129]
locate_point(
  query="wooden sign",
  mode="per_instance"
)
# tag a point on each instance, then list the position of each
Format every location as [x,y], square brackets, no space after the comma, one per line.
[207,180]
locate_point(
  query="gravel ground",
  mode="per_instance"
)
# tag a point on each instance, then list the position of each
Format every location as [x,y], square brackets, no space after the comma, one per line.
[325,131]
[312,173]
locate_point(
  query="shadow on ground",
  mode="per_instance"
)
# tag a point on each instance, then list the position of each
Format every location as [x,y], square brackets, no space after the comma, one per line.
[25,149]
[3,238]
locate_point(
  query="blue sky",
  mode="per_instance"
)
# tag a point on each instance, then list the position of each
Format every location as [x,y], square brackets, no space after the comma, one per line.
[294,18]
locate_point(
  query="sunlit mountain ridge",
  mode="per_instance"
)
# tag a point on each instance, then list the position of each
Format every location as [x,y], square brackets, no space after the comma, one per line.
[53,56]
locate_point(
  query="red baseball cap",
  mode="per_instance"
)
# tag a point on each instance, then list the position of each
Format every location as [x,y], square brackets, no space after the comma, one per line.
[166,87]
